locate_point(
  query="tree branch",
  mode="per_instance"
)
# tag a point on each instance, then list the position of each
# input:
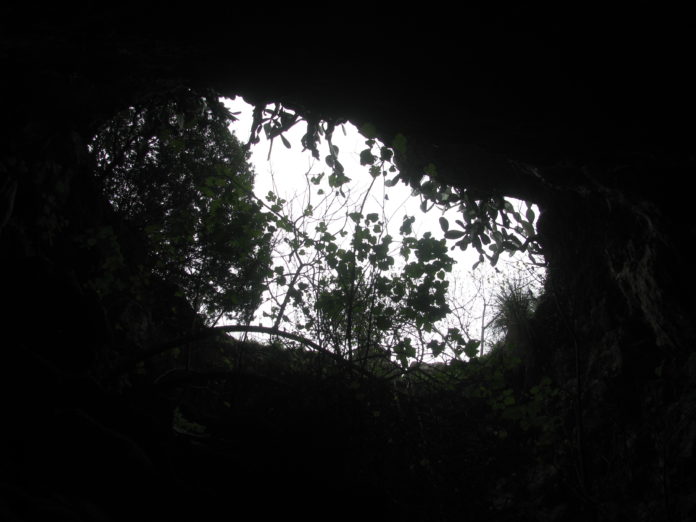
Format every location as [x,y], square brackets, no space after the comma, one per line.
[207,333]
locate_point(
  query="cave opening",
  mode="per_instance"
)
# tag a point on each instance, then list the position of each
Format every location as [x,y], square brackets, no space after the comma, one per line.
[342,252]
[345,304]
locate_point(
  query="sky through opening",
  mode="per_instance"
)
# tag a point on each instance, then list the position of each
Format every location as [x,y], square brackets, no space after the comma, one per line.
[286,171]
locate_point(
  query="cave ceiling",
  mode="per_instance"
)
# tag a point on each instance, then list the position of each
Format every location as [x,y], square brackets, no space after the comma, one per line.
[476,95]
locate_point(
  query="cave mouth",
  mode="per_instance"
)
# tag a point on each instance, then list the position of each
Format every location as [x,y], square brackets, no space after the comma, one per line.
[327,268]
[272,230]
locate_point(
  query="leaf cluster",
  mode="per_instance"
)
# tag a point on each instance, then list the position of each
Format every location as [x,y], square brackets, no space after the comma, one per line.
[171,166]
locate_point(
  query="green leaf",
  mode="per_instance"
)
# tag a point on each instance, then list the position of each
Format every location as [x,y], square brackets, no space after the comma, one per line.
[338,179]
[355,216]
[454,234]
[383,322]
[463,244]
[430,170]
[445,195]
[471,348]
[406,225]
[368,130]
[436,347]
[391,182]
[444,224]
[528,229]
[530,215]
[285,141]
[366,157]
[399,143]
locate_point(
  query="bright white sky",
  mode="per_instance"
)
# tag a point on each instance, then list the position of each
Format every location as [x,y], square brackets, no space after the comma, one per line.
[286,170]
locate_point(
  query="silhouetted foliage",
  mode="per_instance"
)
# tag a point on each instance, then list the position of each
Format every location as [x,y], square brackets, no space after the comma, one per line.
[171,167]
